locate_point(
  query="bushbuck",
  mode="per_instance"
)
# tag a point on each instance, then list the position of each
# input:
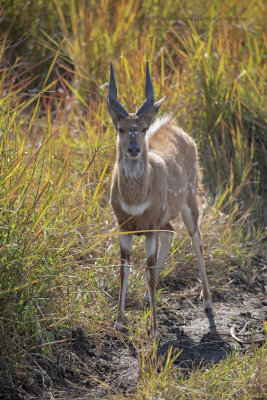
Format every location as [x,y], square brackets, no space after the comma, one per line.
[155,177]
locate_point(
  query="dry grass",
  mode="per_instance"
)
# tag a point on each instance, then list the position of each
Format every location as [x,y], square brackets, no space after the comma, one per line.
[59,252]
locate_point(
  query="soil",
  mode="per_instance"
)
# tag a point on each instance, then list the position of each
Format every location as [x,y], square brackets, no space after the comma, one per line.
[93,366]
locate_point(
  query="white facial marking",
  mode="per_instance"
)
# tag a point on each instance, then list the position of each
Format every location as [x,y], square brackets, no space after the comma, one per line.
[134,209]
[133,131]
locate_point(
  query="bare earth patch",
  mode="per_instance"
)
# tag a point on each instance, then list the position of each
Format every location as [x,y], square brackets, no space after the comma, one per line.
[90,367]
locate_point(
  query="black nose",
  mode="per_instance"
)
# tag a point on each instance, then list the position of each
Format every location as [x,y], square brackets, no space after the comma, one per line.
[133,150]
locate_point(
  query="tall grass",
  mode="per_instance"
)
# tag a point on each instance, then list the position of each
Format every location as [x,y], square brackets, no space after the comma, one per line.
[235,377]
[58,246]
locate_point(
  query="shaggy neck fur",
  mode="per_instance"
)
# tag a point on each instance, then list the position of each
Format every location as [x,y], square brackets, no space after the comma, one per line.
[133,177]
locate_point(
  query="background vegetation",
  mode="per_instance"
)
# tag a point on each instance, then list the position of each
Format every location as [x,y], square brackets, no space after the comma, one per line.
[58,239]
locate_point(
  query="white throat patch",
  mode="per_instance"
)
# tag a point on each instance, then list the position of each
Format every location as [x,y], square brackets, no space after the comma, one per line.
[134,209]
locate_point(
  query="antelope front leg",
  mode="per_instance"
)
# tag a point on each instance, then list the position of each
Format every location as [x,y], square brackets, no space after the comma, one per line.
[125,247]
[151,278]
[164,247]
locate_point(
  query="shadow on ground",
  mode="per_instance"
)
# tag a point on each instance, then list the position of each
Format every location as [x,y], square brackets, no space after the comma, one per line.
[210,347]
[94,366]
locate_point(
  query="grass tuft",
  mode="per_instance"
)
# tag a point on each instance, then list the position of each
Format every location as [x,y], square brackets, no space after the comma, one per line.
[58,239]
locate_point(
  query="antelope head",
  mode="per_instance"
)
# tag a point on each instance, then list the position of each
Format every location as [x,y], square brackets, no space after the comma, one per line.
[132,127]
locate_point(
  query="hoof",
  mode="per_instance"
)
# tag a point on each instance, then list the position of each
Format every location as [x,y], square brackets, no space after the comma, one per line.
[121,323]
[154,335]
[210,315]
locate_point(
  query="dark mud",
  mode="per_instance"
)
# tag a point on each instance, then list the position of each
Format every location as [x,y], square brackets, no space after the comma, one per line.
[92,367]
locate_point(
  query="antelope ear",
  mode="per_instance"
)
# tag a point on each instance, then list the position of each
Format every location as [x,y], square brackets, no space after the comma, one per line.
[158,104]
[152,113]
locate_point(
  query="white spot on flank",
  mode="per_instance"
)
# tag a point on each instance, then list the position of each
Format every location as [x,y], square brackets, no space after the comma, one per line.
[134,209]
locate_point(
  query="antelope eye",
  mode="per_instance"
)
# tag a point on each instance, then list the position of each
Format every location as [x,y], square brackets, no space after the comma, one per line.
[144,130]
[121,130]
